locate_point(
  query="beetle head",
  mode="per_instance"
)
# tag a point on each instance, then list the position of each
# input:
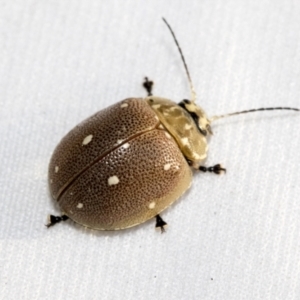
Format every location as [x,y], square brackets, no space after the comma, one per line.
[198,115]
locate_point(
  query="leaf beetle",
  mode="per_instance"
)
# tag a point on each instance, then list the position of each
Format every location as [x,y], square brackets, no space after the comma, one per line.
[127,163]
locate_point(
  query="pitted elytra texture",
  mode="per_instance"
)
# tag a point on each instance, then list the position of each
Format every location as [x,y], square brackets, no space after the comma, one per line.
[107,128]
[143,179]
[125,164]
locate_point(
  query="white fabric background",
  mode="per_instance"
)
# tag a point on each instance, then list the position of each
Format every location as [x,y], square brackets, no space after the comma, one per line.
[229,237]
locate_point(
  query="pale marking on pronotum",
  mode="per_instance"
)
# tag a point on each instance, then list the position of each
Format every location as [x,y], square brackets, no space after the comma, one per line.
[185,141]
[124,105]
[125,146]
[87,140]
[79,205]
[167,167]
[113,180]
[152,205]
[156,106]
[56,169]
[187,126]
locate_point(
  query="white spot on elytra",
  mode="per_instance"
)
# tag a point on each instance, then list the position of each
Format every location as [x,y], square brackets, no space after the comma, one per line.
[152,205]
[167,167]
[51,181]
[124,105]
[87,139]
[125,146]
[113,180]
[56,169]
[79,205]
[119,141]
[167,135]
[176,169]
[161,127]
[156,118]
[187,126]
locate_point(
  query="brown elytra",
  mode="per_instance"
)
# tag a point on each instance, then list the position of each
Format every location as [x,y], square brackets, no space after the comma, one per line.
[118,168]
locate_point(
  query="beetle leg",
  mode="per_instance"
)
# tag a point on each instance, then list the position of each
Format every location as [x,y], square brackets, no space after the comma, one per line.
[56,219]
[160,223]
[148,85]
[217,169]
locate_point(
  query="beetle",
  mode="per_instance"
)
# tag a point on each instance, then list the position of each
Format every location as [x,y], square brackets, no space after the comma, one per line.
[127,163]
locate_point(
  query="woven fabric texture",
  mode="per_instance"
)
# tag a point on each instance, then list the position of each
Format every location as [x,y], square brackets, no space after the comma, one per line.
[235,236]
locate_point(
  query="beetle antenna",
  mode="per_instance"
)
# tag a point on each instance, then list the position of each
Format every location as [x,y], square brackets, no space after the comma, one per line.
[183,60]
[214,118]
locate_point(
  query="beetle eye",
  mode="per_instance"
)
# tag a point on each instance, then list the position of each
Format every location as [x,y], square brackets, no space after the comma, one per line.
[186,101]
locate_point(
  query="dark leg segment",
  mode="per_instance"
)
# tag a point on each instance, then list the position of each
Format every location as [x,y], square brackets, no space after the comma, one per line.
[217,169]
[56,219]
[148,85]
[160,223]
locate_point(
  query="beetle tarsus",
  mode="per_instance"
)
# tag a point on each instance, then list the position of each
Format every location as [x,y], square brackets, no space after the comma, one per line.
[56,219]
[148,85]
[160,223]
[217,169]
